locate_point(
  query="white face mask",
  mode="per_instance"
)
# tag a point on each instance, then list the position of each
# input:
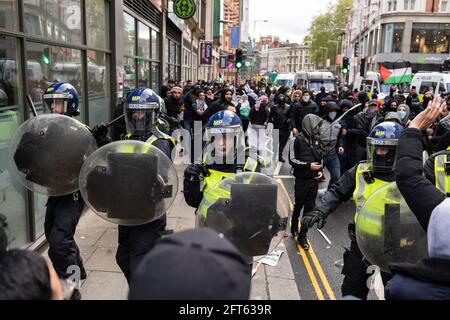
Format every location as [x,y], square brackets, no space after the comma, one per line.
[402,114]
[332,115]
[306,99]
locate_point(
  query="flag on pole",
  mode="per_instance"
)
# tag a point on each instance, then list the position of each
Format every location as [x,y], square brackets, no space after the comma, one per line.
[396,72]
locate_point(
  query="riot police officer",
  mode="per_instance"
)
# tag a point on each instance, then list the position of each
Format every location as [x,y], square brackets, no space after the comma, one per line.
[141,113]
[63,212]
[223,157]
[361,181]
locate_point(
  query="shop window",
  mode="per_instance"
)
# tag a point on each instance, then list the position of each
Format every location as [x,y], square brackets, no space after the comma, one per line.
[12,194]
[392,37]
[155,45]
[98,86]
[430,38]
[143,41]
[97,23]
[54,19]
[9,14]
[129,35]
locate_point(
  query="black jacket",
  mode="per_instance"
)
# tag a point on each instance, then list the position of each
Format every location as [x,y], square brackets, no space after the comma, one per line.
[173,106]
[259,117]
[409,178]
[300,110]
[303,152]
[280,116]
[428,279]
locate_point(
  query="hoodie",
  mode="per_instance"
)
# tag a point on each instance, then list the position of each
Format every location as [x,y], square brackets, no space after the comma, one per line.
[404,119]
[330,131]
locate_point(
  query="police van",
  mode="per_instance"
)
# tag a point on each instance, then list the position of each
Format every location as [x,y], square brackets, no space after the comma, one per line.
[372,84]
[284,80]
[313,80]
[436,81]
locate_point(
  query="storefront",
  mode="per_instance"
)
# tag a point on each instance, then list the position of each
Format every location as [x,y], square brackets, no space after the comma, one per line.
[96,45]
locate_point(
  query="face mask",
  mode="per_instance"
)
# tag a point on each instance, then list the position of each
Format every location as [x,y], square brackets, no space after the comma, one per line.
[372,110]
[402,114]
[306,99]
[332,115]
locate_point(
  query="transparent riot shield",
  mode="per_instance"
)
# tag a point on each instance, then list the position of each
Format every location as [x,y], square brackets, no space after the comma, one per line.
[129,183]
[249,209]
[388,232]
[47,153]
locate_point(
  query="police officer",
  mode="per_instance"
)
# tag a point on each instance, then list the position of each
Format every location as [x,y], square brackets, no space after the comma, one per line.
[141,113]
[63,212]
[228,143]
[361,182]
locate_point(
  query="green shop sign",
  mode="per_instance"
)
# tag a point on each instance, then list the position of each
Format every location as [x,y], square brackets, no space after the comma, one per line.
[184,9]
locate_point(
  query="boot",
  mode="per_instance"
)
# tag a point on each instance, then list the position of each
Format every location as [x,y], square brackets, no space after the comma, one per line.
[302,240]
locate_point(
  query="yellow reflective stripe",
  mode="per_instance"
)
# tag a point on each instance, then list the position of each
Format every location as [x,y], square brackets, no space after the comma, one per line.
[250,165]
[439,171]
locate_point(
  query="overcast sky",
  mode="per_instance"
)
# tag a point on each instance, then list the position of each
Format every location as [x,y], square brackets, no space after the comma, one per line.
[288,19]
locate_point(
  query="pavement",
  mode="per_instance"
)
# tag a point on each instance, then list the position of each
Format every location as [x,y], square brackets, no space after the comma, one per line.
[98,241]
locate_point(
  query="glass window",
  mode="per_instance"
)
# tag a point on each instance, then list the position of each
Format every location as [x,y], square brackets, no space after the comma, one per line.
[12,194]
[97,21]
[144,74]
[54,19]
[130,74]
[48,64]
[129,34]
[155,45]
[430,38]
[155,77]
[392,37]
[444,5]
[98,84]
[9,14]
[427,86]
[143,41]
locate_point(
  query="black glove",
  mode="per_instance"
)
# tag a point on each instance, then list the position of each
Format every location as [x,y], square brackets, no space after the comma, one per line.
[196,171]
[313,217]
[100,133]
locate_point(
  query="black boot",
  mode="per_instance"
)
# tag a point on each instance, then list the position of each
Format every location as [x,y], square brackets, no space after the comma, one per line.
[302,240]
[294,227]
[76,295]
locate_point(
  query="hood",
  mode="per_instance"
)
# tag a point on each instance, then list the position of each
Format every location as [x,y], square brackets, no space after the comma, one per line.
[363,97]
[438,231]
[311,125]
[393,116]
[223,93]
[332,106]
[244,98]
[408,112]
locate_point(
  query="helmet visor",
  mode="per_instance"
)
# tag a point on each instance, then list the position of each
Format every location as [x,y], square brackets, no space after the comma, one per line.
[381,154]
[140,118]
[56,102]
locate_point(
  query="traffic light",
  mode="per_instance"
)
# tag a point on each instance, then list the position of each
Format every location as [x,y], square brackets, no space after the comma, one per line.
[46,56]
[239,59]
[345,65]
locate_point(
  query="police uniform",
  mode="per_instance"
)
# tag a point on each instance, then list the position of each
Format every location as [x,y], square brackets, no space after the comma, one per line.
[360,182]
[136,241]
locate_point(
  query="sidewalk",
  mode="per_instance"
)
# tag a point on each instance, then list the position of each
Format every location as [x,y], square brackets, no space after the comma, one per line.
[97,240]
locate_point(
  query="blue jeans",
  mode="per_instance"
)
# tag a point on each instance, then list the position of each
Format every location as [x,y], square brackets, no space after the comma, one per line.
[331,162]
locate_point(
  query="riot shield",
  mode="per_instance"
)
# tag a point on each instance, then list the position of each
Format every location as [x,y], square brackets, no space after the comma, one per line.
[249,209]
[47,153]
[129,183]
[387,231]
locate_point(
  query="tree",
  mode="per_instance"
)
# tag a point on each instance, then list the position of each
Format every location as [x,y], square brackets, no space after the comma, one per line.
[325,30]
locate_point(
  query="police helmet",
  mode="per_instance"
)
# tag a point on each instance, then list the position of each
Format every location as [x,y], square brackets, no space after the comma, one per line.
[224,122]
[63,95]
[382,146]
[141,111]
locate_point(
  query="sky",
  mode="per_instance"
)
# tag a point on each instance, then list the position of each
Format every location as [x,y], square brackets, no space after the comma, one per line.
[288,19]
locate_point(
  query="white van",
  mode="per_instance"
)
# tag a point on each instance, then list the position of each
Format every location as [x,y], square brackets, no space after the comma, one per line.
[371,84]
[313,80]
[284,80]
[424,81]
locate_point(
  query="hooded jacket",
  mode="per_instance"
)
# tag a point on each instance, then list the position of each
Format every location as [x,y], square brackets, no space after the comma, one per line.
[300,111]
[408,113]
[217,105]
[330,132]
[280,116]
[305,148]
[428,279]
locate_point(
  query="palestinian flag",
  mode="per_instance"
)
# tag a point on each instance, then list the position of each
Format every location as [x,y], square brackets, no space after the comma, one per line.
[396,72]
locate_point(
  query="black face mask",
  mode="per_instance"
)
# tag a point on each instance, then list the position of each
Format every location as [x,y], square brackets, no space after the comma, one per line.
[281,101]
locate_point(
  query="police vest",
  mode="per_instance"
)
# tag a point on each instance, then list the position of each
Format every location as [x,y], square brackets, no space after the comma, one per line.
[157,135]
[211,194]
[8,125]
[442,171]
[366,186]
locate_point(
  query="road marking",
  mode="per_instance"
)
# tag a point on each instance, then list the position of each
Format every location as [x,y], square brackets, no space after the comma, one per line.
[311,273]
[277,169]
[316,262]
[324,236]
[322,275]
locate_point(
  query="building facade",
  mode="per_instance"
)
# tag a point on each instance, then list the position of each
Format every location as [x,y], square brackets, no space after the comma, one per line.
[289,58]
[417,31]
[105,49]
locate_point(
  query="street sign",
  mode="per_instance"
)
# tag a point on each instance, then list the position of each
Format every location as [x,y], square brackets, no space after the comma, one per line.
[223,62]
[206,53]
[234,37]
[184,9]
